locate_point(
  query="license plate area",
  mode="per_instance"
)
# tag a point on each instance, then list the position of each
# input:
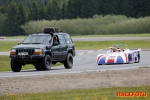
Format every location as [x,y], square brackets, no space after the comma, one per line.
[23,53]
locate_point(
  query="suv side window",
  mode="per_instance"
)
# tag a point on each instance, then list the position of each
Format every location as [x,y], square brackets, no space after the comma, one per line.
[61,39]
[55,40]
[68,39]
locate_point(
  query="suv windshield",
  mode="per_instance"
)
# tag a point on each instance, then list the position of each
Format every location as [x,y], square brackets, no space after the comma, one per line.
[37,39]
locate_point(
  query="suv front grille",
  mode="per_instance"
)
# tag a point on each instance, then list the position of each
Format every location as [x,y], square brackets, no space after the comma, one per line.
[29,51]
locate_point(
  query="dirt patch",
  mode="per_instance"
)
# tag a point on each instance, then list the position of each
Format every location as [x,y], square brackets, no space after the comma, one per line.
[61,82]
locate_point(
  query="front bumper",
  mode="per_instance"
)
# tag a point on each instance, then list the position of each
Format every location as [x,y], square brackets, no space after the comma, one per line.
[26,57]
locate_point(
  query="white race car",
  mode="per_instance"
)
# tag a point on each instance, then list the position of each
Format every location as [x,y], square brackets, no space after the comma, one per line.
[117,56]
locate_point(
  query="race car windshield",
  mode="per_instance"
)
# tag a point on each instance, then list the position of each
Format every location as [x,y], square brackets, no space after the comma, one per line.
[37,39]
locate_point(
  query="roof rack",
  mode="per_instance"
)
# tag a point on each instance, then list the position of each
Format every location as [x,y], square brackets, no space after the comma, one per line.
[52,30]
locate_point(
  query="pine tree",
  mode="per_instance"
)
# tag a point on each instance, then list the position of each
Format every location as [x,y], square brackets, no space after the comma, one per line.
[89,8]
[22,15]
[2,23]
[3,9]
[56,11]
[63,11]
[76,8]
[42,11]
[34,15]
[12,21]
[69,10]
[49,11]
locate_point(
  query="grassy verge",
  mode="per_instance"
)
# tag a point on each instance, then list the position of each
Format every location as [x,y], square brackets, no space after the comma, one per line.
[7,45]
[88,45]
[83,94]
[118,35]
[84,36]
[5,64]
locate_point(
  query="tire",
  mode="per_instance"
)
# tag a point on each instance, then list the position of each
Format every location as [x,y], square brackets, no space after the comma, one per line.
[138,58]
[68,63]
[129,58]
[46,62]
[15,66]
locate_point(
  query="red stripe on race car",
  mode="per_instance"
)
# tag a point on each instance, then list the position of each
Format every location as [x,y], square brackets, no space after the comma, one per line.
[126,57]
[111,59]
[133,57]
[99,58]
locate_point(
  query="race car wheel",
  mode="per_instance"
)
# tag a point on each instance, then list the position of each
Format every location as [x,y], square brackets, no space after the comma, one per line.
[15,66]
[46,62]
[138,58]
[68,63]
[129,58]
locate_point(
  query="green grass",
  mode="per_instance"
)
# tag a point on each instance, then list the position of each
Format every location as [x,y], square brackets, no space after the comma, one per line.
[118,35]
[88,45]
[94,45]
[7,45]
[84,36]
[5,64]
[82,94]
[15,37]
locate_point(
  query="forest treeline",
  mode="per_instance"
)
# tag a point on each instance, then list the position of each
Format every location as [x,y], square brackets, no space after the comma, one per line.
[16,13]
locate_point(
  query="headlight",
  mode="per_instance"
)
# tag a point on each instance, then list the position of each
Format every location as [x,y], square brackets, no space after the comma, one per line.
[13,52]
[38,51]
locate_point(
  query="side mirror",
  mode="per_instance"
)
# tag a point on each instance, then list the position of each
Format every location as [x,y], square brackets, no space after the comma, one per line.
[48,47]
[18,43]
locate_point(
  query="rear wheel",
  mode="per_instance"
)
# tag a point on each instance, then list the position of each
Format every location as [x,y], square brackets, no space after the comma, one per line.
[138,58]
[46,62]
[68,63]
[15,66]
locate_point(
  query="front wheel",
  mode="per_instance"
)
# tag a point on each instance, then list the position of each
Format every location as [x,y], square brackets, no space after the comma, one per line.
[15,66]
[68,63]
[46,62]
[138,57]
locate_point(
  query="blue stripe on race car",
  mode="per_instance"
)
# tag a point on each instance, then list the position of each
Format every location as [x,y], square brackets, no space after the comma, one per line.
[119,60]
[102,60]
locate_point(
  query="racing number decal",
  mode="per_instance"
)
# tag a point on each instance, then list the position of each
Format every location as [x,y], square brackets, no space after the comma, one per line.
[111,59]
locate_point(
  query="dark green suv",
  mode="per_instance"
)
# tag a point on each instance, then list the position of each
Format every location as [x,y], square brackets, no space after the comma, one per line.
[43,49]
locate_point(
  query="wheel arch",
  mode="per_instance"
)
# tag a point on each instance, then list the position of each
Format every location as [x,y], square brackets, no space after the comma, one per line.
[48,53]
[70,51]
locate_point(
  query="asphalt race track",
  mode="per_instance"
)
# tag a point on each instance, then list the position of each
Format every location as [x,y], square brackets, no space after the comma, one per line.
[85,60]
